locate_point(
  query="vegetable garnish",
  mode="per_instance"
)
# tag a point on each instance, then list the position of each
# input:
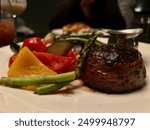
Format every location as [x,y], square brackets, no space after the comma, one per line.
[26,64]
[47,79]
[83,54]
[66,63]
[52,83]
[50,88]
[35,44]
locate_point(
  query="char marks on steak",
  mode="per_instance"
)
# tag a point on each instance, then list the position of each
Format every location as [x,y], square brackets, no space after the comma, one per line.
[114,69]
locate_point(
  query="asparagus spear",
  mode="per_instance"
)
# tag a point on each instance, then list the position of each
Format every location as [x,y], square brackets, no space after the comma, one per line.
[38,80]
[50,88]
[83,54]
[55,82]
[84,40]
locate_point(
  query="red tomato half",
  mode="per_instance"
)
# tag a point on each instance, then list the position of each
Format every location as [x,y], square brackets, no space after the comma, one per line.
[35,44]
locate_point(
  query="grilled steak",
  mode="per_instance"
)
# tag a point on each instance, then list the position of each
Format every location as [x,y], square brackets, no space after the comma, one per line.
[114,69]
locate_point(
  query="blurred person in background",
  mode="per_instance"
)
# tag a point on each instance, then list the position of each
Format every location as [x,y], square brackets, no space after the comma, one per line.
[114,14]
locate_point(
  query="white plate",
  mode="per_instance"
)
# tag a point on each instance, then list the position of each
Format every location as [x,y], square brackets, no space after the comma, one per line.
[75,100]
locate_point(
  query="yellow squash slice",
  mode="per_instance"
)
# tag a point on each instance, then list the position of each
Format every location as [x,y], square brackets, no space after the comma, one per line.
[27,65]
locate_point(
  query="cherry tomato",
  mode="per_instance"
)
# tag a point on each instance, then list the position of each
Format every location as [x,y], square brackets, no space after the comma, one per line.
[35,44]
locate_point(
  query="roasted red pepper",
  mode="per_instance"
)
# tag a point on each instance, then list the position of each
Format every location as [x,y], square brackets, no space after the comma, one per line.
[59,64]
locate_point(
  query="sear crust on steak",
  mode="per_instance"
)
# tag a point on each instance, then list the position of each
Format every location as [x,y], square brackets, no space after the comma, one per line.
[114,69]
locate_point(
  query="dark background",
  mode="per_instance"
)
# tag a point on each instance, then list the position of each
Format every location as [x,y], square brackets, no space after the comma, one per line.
[38,14]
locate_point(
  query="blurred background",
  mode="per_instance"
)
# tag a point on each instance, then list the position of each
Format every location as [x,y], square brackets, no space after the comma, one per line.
[38,14]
